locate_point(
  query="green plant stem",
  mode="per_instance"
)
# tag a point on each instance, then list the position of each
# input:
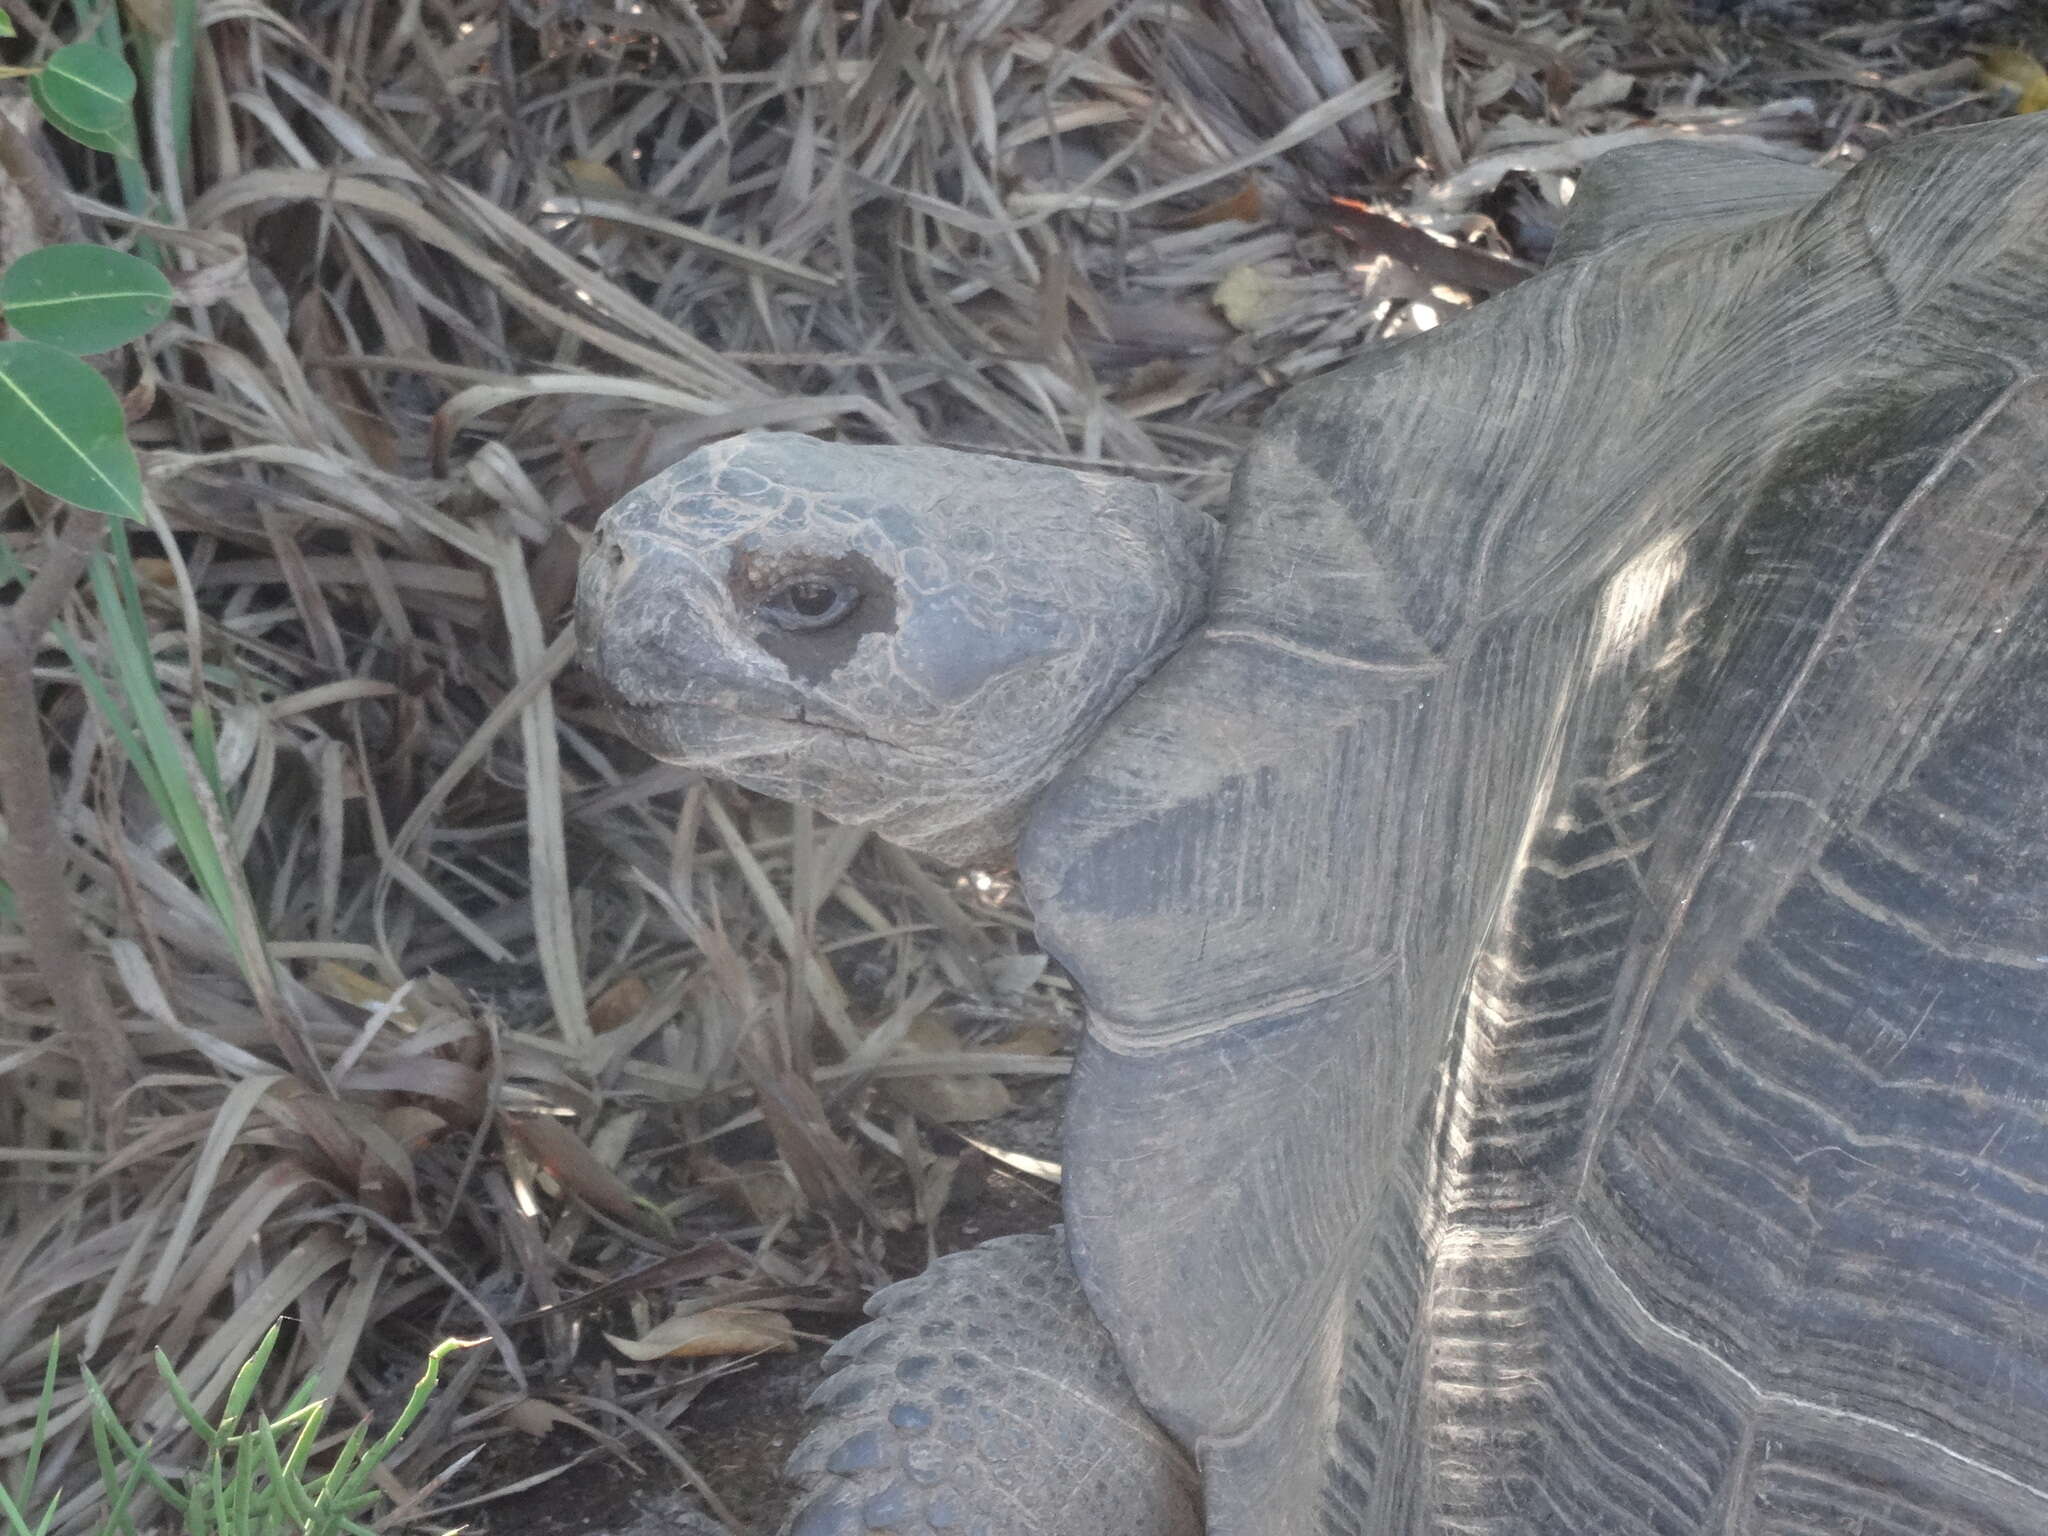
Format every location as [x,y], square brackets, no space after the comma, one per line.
[102,25]
[32,858]
[183,44]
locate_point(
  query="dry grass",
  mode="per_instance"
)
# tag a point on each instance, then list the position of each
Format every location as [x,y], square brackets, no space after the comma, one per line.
[549,1038]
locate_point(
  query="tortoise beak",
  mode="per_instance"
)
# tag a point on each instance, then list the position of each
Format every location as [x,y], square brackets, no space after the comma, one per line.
[598,579]
[646,620]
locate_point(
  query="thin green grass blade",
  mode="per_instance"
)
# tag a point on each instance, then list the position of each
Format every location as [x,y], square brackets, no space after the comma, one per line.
[135,675]
[423,1389]
[202,711]
[285,1479]
[118,1521]
[202,1514]
[308,1437]
[109,1434]
[303,1397]
[187,1409]
[112,715]
[42,1430]
[17,1523]
[244,1386]
[183,43]
[335,1479]
[243,1494]
[11,1504]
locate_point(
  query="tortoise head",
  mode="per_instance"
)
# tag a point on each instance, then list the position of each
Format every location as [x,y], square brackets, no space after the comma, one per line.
[909,638]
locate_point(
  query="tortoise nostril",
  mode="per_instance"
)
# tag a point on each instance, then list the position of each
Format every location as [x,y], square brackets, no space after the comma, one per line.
[614,556]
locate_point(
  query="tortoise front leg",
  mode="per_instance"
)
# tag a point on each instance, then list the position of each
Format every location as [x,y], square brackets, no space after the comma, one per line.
[986,1400]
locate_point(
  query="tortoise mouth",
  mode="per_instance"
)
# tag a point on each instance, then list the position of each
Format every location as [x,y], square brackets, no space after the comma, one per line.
[722,730]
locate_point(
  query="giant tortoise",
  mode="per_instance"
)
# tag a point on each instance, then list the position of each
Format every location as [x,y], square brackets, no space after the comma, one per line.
[1559,882]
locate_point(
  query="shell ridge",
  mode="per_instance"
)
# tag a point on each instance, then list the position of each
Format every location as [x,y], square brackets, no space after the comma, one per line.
[1643,987]
[1763,1397]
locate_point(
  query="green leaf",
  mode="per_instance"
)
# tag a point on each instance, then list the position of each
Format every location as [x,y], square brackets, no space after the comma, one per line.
[6,25]
[88,92]
[175,780]
[61,429]
[188,1409]
[244,1386]
[121,145]
[110,1436]
[83,298]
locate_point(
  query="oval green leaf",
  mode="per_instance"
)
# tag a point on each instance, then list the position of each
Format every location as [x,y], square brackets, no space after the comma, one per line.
[83,298]
[61,429]
[122,143]
[87,91]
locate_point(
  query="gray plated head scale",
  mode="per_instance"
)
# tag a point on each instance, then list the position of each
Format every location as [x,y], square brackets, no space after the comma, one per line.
[1560,894]
[912,639]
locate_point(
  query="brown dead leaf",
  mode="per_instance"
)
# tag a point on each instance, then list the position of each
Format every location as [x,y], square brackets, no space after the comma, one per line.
[762,1188]
[457,1087]
[412,1126]
[795,1115]
[1243,206]
[1031,1040]
[1435,259]
[345,984]
[619,1003]
[594,179]
[950,1098]
[600,183]
[349,1146]
[1609,88]
[532,1416]
[358,407]
[223,270]
[575,1167]
[553,574]
[714,1331]
[697,1262]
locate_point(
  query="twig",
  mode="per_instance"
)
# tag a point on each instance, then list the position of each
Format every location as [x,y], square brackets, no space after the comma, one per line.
[55,219]
[32,858]
[70,552]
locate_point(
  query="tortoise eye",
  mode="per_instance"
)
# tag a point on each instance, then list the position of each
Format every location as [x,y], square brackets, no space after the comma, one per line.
[810,602]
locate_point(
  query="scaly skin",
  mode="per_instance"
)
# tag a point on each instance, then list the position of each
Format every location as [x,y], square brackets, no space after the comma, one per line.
[986,1400]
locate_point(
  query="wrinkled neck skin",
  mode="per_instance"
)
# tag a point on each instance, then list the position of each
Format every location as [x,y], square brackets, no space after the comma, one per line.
[983,827]
[990,840]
